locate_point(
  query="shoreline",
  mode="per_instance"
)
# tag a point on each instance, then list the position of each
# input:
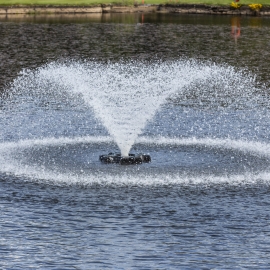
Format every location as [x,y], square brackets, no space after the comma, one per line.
[178,9]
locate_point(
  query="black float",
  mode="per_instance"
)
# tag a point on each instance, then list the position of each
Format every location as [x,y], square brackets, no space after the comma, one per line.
[125,160]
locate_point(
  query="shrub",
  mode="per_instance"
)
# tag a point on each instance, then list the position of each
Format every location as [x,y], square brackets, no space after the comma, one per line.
[255,6]
[235,5]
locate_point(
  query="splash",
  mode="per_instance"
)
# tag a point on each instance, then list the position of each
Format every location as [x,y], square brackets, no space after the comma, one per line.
[12,166]
[125,96]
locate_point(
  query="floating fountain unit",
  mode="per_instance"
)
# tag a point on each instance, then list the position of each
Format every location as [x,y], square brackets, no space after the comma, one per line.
[125,160]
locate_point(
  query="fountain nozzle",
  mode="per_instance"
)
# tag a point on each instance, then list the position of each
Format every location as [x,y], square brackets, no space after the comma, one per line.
[125,160]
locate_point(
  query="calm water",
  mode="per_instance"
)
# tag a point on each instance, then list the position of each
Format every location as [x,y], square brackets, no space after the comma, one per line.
[203,202]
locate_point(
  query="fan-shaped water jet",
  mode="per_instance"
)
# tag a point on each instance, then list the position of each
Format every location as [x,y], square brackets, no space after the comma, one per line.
[125,96]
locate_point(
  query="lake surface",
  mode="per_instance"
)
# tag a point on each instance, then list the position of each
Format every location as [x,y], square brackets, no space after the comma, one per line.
[200,108]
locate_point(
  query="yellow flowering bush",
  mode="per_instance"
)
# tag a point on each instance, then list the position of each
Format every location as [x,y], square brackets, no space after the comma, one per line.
[235,5]
[255,6]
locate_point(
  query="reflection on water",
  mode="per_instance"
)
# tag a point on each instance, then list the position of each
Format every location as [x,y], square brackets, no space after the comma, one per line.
[27,41]
[236,31]
[256,22]
[128,18]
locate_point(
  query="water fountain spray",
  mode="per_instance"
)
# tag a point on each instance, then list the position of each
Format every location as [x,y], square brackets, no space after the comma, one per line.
[125,96]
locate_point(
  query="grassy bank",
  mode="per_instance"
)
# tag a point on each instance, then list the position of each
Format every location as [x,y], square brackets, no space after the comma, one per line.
[126,2]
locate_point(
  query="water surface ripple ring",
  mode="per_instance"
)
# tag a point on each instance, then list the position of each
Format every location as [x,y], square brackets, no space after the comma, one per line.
[252,147]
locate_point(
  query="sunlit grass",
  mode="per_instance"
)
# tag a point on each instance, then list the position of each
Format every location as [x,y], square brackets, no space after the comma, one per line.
[127,2]
[54,2]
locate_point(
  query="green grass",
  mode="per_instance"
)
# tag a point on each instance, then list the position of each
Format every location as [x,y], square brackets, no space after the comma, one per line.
[126,2]
[53,2]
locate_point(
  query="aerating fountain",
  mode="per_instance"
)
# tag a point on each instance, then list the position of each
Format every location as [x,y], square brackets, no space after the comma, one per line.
[67,116]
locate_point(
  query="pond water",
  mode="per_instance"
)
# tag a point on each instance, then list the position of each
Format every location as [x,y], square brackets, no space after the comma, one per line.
[190,90]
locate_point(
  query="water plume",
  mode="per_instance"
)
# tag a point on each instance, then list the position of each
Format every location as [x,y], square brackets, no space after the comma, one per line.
[126,95]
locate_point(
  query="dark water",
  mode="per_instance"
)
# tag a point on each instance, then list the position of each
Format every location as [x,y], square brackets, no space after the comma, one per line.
[173,227]
[32,41]
[203,202]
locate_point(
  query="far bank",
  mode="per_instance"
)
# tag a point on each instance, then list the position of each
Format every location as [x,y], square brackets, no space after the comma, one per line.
[244,10]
